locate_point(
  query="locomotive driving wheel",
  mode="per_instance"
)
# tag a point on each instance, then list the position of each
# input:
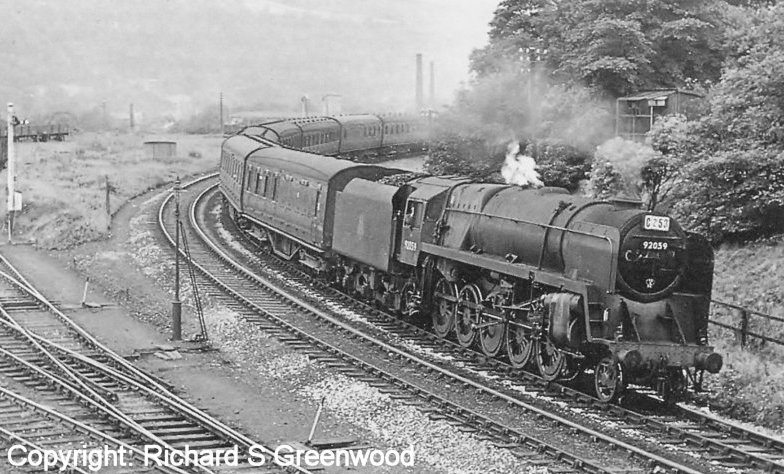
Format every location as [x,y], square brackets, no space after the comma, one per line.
[467,316]
[491,334]
[519,345]
[608,380]
[443,311]
[549,359]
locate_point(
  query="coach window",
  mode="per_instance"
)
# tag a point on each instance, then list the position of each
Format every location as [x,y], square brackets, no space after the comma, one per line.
[256,187]
[266,183]
[274,188]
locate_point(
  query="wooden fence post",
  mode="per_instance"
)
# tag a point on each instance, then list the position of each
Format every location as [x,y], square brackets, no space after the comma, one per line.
[744,328]
[108,204]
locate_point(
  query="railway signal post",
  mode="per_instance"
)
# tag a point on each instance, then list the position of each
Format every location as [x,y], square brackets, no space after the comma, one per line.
[177,304]
[11,198]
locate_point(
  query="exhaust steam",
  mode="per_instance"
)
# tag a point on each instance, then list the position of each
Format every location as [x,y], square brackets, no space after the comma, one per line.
[520,169]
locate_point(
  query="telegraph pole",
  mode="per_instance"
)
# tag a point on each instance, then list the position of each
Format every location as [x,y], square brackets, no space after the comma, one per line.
[177,304]
[221,113]
[11,172]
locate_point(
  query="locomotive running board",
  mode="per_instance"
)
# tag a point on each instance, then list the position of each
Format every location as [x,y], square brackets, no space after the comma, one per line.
[520,270]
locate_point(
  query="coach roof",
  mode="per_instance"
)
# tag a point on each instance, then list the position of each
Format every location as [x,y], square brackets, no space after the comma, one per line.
[307,165]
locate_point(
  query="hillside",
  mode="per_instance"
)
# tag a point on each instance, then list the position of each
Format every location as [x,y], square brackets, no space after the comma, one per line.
[176,56]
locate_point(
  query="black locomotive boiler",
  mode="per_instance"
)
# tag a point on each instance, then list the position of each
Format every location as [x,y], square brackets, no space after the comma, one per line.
[539,276]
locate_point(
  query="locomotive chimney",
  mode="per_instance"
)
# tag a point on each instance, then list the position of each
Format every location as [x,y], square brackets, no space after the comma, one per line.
[432,85]
[419,85]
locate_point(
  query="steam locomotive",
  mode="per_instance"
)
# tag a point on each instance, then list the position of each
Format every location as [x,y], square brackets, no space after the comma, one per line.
[565,283]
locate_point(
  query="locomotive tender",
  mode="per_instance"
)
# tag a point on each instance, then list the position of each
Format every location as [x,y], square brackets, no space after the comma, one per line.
[541,276]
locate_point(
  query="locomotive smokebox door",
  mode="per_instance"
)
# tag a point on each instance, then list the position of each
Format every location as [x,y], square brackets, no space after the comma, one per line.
[412,232]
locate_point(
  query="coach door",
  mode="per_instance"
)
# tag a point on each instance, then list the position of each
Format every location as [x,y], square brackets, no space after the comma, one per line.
[412,231]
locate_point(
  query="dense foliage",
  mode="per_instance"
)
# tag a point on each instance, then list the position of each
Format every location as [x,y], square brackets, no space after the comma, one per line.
[615,46]
[560,164]
[550,66]
[733,157]
[456,154]
[734,195]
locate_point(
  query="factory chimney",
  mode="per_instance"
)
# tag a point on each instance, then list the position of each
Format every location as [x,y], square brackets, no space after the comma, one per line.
[432,85]
[419,85]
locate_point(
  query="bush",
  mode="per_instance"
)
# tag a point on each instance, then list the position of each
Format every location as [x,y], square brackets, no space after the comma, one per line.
[461,155]
[560,164]
[735,195]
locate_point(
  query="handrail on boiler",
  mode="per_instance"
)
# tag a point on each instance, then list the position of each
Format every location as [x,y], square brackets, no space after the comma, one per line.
[544,226]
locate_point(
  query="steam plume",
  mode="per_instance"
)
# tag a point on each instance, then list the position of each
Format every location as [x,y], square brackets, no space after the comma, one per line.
[520,169]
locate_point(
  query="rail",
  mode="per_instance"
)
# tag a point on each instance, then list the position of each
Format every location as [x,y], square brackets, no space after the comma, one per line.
[742,331]
[133,376]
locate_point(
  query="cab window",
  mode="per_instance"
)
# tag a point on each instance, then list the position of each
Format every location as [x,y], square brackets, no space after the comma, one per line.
[413,214]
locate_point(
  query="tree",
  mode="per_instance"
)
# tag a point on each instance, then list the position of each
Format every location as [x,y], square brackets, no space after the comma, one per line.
[734,195]
[747,105]
[732,184]
[614,46]
[633,170]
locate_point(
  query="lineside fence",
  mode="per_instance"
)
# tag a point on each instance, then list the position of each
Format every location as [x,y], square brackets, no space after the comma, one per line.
[738,319]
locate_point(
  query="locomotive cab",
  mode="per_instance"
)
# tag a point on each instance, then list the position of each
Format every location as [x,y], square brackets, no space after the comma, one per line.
[423,209]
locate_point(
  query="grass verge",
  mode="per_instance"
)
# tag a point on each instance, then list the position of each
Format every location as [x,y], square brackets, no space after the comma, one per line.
[63,184]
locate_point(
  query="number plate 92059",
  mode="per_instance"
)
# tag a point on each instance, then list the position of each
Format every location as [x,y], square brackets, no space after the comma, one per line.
[660,223]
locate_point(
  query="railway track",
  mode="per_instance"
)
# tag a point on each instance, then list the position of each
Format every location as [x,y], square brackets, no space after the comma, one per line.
[63,390]
[680,427]
[271,309]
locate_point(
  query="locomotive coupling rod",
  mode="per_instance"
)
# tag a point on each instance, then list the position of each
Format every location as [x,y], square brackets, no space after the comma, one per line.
[478,327]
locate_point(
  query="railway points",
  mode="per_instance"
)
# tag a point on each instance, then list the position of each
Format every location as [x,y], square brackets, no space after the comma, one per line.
[52,366]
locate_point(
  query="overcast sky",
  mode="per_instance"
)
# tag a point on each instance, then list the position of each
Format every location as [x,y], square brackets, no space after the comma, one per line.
[65,54]
[444,31]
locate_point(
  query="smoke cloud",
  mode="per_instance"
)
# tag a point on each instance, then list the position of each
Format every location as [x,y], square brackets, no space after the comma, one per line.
[520,169]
